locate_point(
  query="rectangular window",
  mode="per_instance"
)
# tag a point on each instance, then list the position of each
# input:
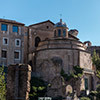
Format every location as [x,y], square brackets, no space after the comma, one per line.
[86,83]
[3,27]
[59,32]
[5,41]
[4,54]
[15,28]
[17,55]
[17,42]
[64,33]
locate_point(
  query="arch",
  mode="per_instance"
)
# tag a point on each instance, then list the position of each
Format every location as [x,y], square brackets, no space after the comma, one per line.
[37,40]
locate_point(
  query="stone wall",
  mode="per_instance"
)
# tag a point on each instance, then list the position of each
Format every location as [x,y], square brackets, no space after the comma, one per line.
[53,55]
[18,82]
[43,31]
[69,57]
[85,60]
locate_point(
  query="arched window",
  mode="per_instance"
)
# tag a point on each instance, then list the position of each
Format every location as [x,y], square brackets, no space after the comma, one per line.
[64,32]
[59,32]
[37,40]
[55,33]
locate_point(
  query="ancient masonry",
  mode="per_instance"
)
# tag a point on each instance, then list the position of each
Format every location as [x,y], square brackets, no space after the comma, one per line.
[18,82]
[63,51]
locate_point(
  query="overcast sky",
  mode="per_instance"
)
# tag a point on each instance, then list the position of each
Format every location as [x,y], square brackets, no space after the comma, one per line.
[83,15]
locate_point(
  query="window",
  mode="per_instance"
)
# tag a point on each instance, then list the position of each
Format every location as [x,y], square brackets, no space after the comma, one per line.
[47,27]
[4,54]
[4,27]
[17,55]
[64,32]
[59,32]
[17,42]
[5,41]
[55,33]
[37,40]
[15,28]
[69,58]
[86,83]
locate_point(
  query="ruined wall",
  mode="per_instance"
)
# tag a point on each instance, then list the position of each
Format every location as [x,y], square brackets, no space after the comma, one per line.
[49,64]
[85,60]
[18,82]
[67,53]
[69,57]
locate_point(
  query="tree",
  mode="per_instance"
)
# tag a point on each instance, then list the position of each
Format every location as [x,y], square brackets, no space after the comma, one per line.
[96,62]
[95,93]
[2,84]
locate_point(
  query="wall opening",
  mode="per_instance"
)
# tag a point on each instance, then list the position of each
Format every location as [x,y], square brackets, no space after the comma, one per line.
[37,40]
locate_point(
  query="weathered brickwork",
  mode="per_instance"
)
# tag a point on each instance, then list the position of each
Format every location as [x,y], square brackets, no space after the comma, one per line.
[41,31]
[68,53]
[18,82]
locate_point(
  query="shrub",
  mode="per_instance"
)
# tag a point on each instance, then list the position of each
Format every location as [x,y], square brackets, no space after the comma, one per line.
[38,88]
[84,98]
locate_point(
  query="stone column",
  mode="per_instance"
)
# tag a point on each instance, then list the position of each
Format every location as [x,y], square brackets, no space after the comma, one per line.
[18,82]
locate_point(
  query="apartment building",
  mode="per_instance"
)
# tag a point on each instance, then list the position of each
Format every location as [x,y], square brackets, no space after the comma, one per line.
[11,42]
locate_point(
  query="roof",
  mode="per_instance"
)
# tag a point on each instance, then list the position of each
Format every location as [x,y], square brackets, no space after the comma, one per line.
[60,24]
[11,21]
[42,23]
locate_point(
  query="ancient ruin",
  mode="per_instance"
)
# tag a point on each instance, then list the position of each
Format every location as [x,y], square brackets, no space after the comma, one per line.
[18,82]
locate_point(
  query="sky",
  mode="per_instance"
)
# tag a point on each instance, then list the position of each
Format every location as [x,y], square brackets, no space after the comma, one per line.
[83,15]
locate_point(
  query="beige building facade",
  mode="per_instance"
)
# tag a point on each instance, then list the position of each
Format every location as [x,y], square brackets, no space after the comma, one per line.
[17,41]
[11,42]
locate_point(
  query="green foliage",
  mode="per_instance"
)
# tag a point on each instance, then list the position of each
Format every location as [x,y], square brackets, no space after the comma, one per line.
[95,93]
[65,76]
[96,62]
[98,92]
[98,73]
[84,98]
[2,84]
[38,88]
[77,73]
